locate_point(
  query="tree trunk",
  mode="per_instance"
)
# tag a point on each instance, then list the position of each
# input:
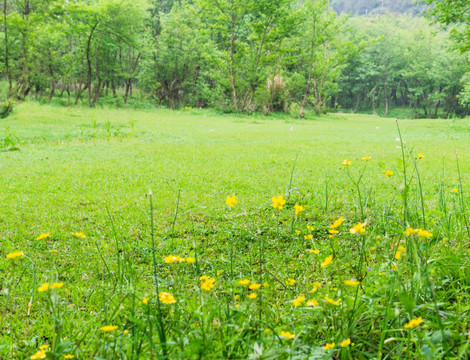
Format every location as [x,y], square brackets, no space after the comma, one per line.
[88,60]
[7,64]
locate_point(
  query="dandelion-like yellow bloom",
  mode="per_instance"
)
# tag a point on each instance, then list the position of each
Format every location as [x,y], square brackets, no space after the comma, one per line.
[327,261]
[337,223]
[190,260]
[332,302]
[388,173]
[287,335]
[308,237]
[244,282]
[145,300]
[208,284]
[414,323]
[333,231]
[420,156]
[410,231]
[15,254]
[69,356]
[329,346]
[254,286]
[394,267]
[290,282]
[278,202]
[79,234]
[57,285]
[43,287]
[170,259]
[43,236]
[203,277]
[351,282]
[298,209]
[401,248]
[311,228]
[346,343]
[381,273]
[358,229]
[424,233]
[312,303]
[252,296]
[44,347]
[346,163]
[398,255]
[455,190]
[231,201]
[312,251]
[167,298]
[366,158]
[297,232]
[108,328]
[39,355]
[298,301]
[316,286]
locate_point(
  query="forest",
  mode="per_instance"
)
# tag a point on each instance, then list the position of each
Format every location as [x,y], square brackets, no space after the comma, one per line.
[243,56]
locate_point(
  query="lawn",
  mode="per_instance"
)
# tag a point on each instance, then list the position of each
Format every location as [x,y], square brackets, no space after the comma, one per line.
[89,172]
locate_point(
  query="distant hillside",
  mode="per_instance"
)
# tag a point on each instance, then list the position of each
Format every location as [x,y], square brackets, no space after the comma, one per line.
[365,7]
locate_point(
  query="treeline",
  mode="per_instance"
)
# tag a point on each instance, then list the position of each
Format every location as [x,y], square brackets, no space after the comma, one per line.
[235,55]
[369,7]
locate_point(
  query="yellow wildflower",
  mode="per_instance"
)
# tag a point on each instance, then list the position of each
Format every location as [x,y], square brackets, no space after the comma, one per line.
[145,300]
[43,287]
[190,260]
[401,248]
[351,282]
[381,273]
[43,236]
[366,158]
[420,156]
[398,255]
[204,277]
[455,190]
[298,209]
[254,286]
[44,347]
[346,343]
[290,282]
[312,303]
[79,234]
[278,202]
[167,298]
[69,356]
[346,163]
[327,261]
[311,228]
[312,251]
[108,328]
[39,355]
[208,284]
[333,231]
[308,237]
[231,201]
[252,296]
[244,282]
[388,173]
[316,286]
[409,231]
[297,232]
[287,335]
[337,223]
[358,229]
[414,323]
[394,267]
[266,285]
[15,254]
[57,285]
[424,233]
[299,300]
[331,301]
[170,259]
[329,346]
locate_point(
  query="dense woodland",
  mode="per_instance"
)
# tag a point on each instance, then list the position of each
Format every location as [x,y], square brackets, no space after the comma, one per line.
[239,55]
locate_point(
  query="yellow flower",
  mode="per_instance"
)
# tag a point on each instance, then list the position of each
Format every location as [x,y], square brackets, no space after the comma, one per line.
[43,287]
[311,228]
[358,229]
[108,328]
[204,277]
[455,190]
[266,285]
[308,237]
[312,303]
[297,232]
[219,272]
[290,282]
[420,156]
[424,233]
[332,302]
[372,248]
[327,261]
[145,300]
[231,201]
[57,285]
[79,234]
[414,323]
[346,163]
[254,286]
[299,300]
[316,286]
[236,297]
[316,252]
[43,236]
[69,356]
[337,223]
[15,255]
[179,259]
[398,255]
[345,343]
[39,355]
[252,296]
[190,260]
[410,231]
[278,202]
[287,335]
[170,259]
[382,273]
[388,173]
[394,267]
[167,298]
[366,158]
[244,282]
[44,347]
[351,282]
[401,248]
[329,346]
[298,209]
[333,231]
[208,284]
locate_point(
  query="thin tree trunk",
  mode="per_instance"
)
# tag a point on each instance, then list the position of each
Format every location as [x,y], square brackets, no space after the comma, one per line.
[7,56]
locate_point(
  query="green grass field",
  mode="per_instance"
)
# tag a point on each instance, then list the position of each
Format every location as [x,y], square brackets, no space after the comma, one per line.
[90,171]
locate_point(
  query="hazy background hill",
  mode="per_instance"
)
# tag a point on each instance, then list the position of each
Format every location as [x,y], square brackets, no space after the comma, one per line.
[365,7]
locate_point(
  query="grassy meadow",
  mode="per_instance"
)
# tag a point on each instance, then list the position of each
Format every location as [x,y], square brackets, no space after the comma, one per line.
[364,260]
